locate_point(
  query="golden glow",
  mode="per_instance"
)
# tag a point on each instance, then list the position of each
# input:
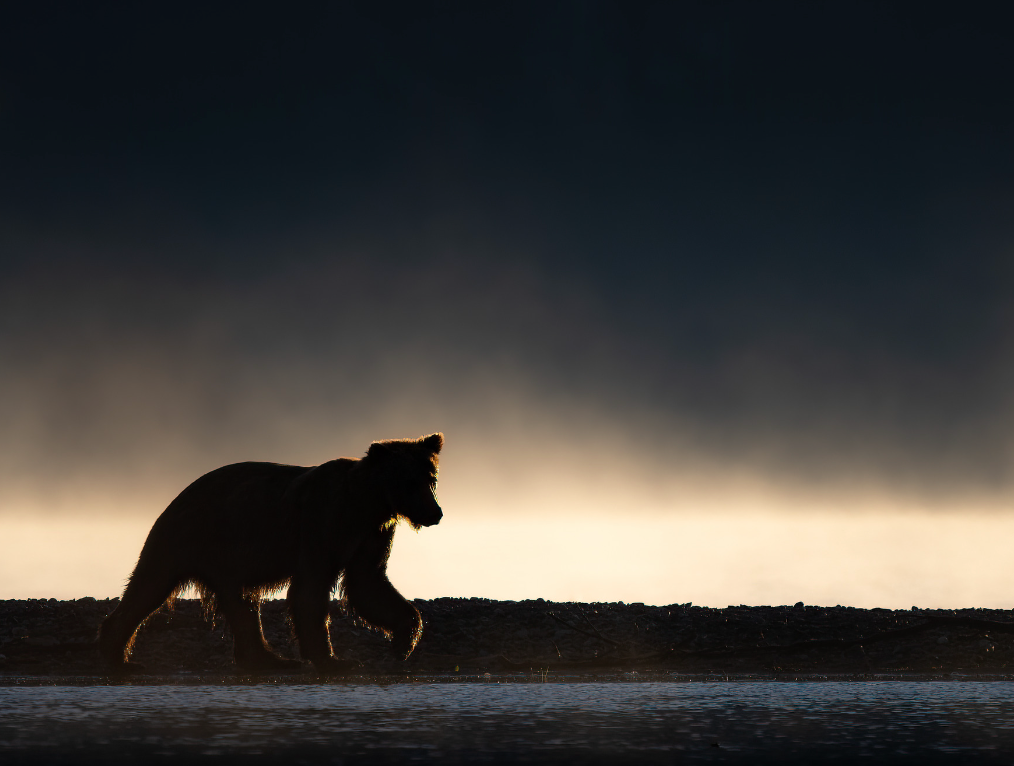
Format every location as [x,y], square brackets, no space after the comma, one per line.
[866,560]
[580,515]
[66,558]
[885,560]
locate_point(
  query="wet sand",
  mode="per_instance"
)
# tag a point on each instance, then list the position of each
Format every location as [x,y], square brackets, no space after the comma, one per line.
[49,639]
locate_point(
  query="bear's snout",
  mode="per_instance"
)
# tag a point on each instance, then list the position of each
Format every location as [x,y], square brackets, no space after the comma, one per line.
[427,514]
[433,519]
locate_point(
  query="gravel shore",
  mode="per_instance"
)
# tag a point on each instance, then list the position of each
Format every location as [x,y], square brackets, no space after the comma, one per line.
[40,638]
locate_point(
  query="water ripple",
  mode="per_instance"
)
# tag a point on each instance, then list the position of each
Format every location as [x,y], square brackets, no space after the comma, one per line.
[879,722]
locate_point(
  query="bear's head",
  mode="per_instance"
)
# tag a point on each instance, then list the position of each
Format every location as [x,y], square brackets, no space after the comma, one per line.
[406,470]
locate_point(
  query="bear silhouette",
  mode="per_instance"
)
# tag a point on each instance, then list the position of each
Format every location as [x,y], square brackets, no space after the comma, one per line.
[248,529]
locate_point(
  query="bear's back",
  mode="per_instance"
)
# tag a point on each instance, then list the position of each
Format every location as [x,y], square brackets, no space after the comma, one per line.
[241,493]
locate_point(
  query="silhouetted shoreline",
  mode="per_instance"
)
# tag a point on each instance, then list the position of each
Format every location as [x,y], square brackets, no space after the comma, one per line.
[40,638]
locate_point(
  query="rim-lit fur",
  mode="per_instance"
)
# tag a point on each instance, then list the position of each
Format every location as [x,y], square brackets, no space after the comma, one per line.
[246,530]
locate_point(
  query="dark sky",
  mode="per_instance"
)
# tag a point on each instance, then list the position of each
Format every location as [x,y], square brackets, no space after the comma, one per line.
[767,234]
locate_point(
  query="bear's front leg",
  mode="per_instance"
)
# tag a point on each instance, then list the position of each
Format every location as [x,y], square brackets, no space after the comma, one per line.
[407,635]
[377,602]
[372,596]
[308,601]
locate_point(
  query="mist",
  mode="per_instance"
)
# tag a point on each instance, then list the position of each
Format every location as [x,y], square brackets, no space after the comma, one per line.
[124,380]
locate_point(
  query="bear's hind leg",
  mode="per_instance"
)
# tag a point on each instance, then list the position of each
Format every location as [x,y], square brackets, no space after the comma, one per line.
[243,611]
[143,596]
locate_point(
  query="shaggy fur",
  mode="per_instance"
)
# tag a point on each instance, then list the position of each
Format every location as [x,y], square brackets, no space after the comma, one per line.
[248,529]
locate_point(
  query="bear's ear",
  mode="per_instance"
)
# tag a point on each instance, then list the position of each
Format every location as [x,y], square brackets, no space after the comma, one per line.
[378,449]
[433,443]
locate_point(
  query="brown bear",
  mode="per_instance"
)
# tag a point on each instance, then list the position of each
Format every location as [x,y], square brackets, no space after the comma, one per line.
[248,529]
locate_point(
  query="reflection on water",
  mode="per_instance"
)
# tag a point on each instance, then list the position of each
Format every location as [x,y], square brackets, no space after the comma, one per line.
[735,722]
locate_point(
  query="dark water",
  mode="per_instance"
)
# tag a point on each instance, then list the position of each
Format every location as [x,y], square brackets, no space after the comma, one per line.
[732,722]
